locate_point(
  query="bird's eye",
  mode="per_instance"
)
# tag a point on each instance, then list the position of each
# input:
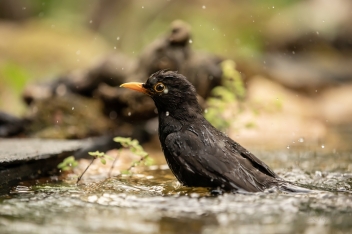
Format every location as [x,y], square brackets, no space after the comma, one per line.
[159,87]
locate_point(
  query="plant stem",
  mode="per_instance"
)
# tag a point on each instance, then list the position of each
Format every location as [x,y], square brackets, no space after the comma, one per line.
[136,163]
[80,177]
[113,163]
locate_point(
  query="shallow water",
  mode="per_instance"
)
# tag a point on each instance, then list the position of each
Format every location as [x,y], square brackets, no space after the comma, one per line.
[154,202]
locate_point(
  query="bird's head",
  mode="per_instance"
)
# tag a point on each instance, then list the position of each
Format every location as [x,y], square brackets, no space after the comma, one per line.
[170,91]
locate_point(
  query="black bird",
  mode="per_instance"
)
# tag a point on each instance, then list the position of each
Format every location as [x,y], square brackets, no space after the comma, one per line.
[197,153]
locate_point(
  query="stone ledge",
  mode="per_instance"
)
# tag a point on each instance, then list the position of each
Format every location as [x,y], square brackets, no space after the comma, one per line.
[24,158]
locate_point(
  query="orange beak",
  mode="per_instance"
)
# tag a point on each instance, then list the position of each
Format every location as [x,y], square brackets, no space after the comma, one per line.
[135,86]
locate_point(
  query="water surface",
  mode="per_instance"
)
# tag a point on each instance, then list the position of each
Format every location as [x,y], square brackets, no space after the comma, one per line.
[152,201]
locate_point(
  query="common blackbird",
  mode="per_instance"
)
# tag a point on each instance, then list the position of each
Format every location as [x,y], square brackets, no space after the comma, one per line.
[197,153]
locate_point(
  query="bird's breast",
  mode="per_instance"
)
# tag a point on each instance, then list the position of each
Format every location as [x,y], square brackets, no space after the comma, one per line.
[167,125]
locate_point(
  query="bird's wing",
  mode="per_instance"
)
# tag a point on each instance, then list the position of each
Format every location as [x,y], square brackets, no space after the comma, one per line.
[257,163]
[210,158]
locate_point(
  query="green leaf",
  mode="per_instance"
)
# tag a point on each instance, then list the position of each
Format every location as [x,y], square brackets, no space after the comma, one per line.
[61,165]
[108,157]
[96,154]
[66,168]
[103,161]
[69,159]
[122,139]
[250,125]
[92,153]
[68,163]
[148,161]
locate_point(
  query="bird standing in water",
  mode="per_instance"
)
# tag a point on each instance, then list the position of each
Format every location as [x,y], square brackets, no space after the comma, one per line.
[197,153]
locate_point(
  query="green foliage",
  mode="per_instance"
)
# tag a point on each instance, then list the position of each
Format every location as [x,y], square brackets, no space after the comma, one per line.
[278,104]
[137,149]
[133,145]
[100,155]
[231,91]
[232,79]
[250,125]
[68,164]
[13,78]
[14,75]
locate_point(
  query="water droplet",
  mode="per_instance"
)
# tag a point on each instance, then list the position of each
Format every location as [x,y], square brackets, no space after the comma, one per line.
[117,38]
[167,113]
[273,7]
[204,7]
[142,7]
[190,41]
[301,139]
[129,114]
[322,146]
[288,147]
[73,108]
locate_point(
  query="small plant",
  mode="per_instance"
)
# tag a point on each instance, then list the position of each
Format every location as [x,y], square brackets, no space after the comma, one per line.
[137,149]
[68,164]
[232,89]
[101,156]
[133,145]
[95,155]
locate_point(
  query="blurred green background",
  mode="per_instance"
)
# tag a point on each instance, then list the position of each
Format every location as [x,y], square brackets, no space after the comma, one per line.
[41,39]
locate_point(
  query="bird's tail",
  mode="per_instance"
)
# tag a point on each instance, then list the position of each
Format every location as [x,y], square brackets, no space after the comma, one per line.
[289,188]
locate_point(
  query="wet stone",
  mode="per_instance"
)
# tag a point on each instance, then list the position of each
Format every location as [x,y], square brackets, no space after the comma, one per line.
[23,158]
